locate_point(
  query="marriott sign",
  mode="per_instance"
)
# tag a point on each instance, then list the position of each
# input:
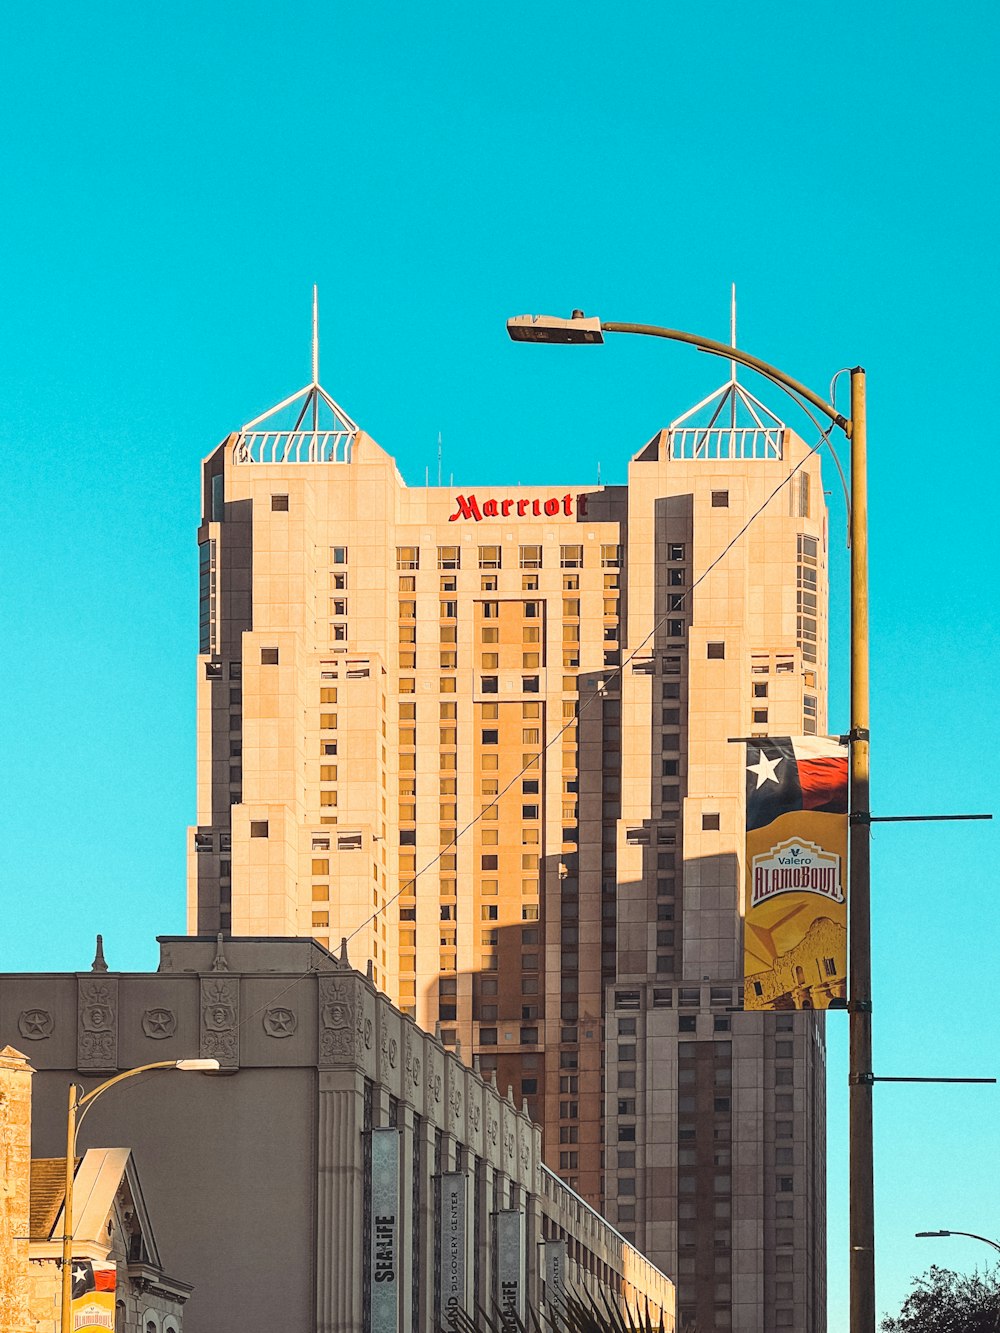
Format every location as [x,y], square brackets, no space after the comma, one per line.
[468,506]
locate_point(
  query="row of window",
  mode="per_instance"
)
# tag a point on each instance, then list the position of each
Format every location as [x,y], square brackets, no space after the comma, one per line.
[491,557]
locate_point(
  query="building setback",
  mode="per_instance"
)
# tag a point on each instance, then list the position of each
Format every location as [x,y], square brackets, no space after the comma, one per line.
[485,733]
[343,1171]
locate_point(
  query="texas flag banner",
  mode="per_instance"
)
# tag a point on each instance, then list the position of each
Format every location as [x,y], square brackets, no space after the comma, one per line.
[93,1295]
[795,904]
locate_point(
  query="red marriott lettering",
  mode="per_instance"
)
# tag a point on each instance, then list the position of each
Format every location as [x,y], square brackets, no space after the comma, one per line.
[567,505]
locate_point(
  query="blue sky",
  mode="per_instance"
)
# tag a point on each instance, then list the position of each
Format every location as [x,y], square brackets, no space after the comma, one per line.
[175,179]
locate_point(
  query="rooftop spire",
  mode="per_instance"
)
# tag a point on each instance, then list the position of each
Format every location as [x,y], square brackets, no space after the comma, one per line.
[315,343]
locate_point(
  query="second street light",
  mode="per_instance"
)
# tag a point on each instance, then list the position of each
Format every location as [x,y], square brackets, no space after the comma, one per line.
[77,1109]
[583,331]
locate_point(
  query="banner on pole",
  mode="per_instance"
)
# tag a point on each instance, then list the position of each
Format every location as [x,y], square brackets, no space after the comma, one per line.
[92,1295]
[795,904]
[454,1233]
[510,1269]
[383,1291]
[554,1271]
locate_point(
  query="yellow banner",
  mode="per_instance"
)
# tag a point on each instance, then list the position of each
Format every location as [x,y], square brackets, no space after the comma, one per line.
[93,1296]
[795,922]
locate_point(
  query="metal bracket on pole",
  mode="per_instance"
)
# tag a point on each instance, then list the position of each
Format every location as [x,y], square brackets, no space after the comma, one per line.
[864,1079]
[859,734]
[860,1006]
[859,817]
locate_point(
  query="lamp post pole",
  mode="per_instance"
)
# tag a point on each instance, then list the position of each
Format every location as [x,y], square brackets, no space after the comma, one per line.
[579,329]
[861,1078]
[77,1108]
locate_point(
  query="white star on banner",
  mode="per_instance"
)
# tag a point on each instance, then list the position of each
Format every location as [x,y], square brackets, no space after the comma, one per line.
[766,770]
[79,1274]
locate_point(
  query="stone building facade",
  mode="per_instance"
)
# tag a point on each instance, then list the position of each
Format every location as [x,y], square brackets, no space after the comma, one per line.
[338,1143]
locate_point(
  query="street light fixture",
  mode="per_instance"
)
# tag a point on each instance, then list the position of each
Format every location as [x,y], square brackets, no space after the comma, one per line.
[551,329]
[971,1234]
[78,1108]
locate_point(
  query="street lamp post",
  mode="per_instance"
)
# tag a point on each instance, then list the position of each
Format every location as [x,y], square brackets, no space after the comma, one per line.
[78,1108]
[579,329]
[971,1235]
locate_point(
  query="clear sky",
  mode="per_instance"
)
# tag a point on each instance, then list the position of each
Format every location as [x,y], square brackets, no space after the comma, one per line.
[175,177]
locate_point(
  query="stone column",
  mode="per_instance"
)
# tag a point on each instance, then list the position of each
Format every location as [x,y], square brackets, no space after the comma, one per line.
[15,1196]
[340,1201]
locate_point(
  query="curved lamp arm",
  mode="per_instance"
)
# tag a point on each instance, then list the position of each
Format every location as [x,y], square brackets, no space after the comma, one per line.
[971,1235]
[579,329]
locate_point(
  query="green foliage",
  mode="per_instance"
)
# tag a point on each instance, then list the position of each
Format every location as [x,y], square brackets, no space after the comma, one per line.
[945,1302]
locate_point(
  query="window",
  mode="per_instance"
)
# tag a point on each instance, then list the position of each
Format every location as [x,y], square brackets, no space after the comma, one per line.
[279,504]
[449,557]
[570,557]
[258,828]
[269,657]
[720,499]
[529,557]
[610,556]
[529,684]
[338,555]
[489,557]
[407,557]
[675,629]
[491,736]
[710,821]
[716,650]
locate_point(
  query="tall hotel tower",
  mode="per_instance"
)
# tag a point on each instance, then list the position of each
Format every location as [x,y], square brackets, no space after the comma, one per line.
[485,734]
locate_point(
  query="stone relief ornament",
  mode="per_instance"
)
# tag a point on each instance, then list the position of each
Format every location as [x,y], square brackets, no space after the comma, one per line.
[508,1142]
[456,1102]
[280,1022]
[159,1023]
[434,1085]
[492,1130]
[525,1156]
[219,1035]
[336,1015]
[35,1024]
[393,1052]
[369,1029]
[98,1036]
[476,1117]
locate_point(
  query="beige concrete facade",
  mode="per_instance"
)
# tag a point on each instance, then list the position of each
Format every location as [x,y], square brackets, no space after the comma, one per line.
[486,734]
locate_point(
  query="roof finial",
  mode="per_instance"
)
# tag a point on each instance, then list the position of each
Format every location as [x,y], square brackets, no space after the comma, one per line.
[99,965]
[219,963]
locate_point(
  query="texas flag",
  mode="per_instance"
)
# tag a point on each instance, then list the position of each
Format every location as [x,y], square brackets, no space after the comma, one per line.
[787,773]
[88,1277]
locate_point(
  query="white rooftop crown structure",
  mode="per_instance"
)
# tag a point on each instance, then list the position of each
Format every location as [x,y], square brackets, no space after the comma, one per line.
[320,429]
[730,423]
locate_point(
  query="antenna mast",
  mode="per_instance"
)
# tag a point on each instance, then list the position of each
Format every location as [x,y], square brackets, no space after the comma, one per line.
[732,364]
[315,359]
[439,458]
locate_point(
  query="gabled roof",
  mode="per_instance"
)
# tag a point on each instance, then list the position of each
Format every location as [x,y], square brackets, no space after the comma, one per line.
[101,1173]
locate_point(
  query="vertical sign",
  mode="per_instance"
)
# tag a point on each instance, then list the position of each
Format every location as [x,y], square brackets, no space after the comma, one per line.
[795,921]
[555,1271]
[454,1234]
[383,1295]
[510,1269]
